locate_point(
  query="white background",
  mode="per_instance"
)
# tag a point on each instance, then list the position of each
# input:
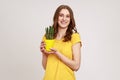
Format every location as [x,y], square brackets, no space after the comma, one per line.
[22,24]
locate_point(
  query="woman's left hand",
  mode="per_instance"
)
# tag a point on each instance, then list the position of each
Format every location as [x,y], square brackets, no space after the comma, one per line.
[54,51]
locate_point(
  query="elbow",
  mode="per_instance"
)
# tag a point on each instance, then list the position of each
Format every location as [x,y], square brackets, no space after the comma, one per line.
[44,66]
[76,68]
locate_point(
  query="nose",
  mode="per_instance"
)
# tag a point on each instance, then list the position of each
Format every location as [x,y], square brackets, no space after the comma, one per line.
[64,17]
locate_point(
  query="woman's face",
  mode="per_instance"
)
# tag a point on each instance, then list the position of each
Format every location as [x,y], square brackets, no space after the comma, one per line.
[64,18]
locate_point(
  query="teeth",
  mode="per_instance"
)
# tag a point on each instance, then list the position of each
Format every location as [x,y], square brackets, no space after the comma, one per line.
[63,22]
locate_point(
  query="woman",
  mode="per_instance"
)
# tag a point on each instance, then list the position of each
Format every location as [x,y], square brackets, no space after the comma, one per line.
[64,58]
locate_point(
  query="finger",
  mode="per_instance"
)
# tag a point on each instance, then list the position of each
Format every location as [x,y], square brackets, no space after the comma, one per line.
[52,49]
[51,52]
[42,50]
[43,44]
[42,41]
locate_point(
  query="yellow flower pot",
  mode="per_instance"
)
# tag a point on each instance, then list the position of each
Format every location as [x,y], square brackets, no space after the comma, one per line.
[49,44]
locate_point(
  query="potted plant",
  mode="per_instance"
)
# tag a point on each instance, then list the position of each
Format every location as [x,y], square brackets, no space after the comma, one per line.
[49,34]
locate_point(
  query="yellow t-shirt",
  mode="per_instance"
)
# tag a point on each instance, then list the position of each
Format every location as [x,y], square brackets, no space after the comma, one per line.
[56,69]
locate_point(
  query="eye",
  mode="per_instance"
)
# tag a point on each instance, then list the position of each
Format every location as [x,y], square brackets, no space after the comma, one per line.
[61,15]
[68,16]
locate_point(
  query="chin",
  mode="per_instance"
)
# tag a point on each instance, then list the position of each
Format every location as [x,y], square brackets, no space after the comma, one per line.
[64,27]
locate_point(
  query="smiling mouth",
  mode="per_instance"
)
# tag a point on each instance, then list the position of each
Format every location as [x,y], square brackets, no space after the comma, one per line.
[63,22]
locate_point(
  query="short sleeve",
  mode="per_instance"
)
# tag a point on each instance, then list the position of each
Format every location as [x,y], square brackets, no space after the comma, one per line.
[43,38]
[75,38]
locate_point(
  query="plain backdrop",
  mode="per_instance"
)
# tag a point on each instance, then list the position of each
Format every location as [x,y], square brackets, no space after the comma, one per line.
[22,25]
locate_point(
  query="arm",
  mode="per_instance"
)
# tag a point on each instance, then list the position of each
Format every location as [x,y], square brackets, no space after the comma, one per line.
[44,60]
[44,55]
[74,64]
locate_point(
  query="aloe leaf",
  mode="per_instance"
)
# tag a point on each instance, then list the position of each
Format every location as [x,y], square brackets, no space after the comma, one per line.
[49,32]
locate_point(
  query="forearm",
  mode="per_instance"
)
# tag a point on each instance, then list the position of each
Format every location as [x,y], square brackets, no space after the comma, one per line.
[44,60]
[74,64]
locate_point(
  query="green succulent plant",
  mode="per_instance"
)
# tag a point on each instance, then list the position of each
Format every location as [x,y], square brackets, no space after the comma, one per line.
[49,32]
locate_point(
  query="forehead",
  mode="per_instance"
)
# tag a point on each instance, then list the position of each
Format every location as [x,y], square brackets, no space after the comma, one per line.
[65,11]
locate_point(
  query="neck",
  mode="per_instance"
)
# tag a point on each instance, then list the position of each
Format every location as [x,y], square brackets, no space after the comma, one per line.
[61,33]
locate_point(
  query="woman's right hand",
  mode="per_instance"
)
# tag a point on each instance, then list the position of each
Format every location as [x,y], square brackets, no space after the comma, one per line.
[42,47]
[43,50]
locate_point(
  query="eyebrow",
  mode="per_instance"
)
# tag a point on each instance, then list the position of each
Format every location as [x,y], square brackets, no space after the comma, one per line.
[62,13]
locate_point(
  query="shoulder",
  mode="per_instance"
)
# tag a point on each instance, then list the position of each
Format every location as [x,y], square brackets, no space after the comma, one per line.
[74,35]
[43,38]
[75,38]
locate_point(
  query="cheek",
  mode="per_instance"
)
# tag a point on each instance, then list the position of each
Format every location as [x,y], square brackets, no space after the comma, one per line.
[59,18]
[58,21]
[68,20]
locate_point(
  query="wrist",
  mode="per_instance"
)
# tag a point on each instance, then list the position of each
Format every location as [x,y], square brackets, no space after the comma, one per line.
[57,54]
[45,54]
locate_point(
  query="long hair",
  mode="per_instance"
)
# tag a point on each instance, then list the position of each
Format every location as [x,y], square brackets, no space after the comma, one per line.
[71,26]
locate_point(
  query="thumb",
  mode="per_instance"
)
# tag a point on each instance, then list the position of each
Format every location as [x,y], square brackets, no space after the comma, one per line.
[52,49]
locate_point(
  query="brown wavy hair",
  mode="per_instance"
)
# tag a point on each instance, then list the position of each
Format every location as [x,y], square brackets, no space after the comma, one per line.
[71,26]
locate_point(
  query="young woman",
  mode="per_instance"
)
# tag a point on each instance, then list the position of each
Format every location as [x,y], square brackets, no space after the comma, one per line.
[65,56]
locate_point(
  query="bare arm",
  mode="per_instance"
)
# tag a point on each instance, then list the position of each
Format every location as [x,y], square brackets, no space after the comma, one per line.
[44,55]
[44,61]
[74,64]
